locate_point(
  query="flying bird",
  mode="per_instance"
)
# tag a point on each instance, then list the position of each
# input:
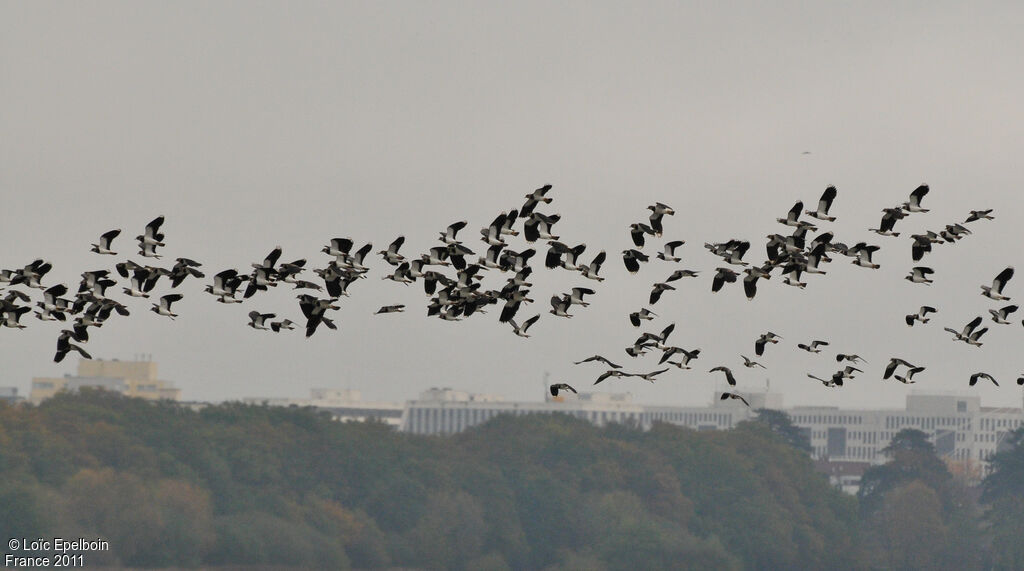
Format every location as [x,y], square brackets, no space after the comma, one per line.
[659,288]
[919,275]
[521,330]
[679,274]
[914,204]
[104,246]
[600,359]
[561,387]
[728,374]
[726,395]
[979,215]
[164,308]
[258,320]
[999,315]
[824,203]
[895,362]
[920,315]
[643,314]
[813,347]
[751,364]
[668,254]
[908,377]
[612,373]
[632,259]
[995,291]
[976,376]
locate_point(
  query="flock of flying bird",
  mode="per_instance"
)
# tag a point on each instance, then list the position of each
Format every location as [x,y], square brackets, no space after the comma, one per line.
[457,294]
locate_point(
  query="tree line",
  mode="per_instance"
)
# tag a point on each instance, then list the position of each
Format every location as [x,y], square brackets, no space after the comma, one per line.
[237,484]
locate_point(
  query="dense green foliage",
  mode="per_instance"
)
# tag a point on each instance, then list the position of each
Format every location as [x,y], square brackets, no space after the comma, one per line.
[254,485]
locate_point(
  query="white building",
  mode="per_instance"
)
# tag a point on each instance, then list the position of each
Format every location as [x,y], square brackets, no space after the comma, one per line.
[964,433]
[343,404]
[844,442]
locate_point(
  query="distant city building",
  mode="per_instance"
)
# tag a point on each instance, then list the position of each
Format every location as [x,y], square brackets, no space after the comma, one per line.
[843,441]
[10,395]
[129,378]
[446,411]
[343,405]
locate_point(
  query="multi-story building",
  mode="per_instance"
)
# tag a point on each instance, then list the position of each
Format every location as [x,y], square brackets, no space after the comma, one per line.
[965,434]
[445,411]
[129,378]
[10,395]
[343,404]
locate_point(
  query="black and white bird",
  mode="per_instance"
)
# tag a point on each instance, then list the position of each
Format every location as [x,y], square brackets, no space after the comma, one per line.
[895,362]
[763,340]
[644,314]
[64,346]
[391,255]
[555,388]
[967,330]
[835,381]
[258,320]
[914,204]
[726,395]
[847,372]
[684,360]
[104,243]
[976,376]
[995,291]
[680,274]
[390,309]
[637,231]
[813,347]
[921,315]
[863,253]
[885,227]
[314,309]
[151,238]
[909,376]
[659,288]
[612,373]
[791,218]
[560,306]
[747,362]
[533,199]
[285,324]
[539,226]
[448,236]
[598,358]
[979,215]
[520,330]
[669,253]
[184,267]
[590,271]
[225,285]
[722,277]
[164,307]
[919,275]
[729,378]
[649,376]
[632,258]
[658,211]
[999,315]
[851,358]
[824,204]
[576,296]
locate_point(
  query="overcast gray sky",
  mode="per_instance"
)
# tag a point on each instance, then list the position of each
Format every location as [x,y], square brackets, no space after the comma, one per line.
[255,124]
